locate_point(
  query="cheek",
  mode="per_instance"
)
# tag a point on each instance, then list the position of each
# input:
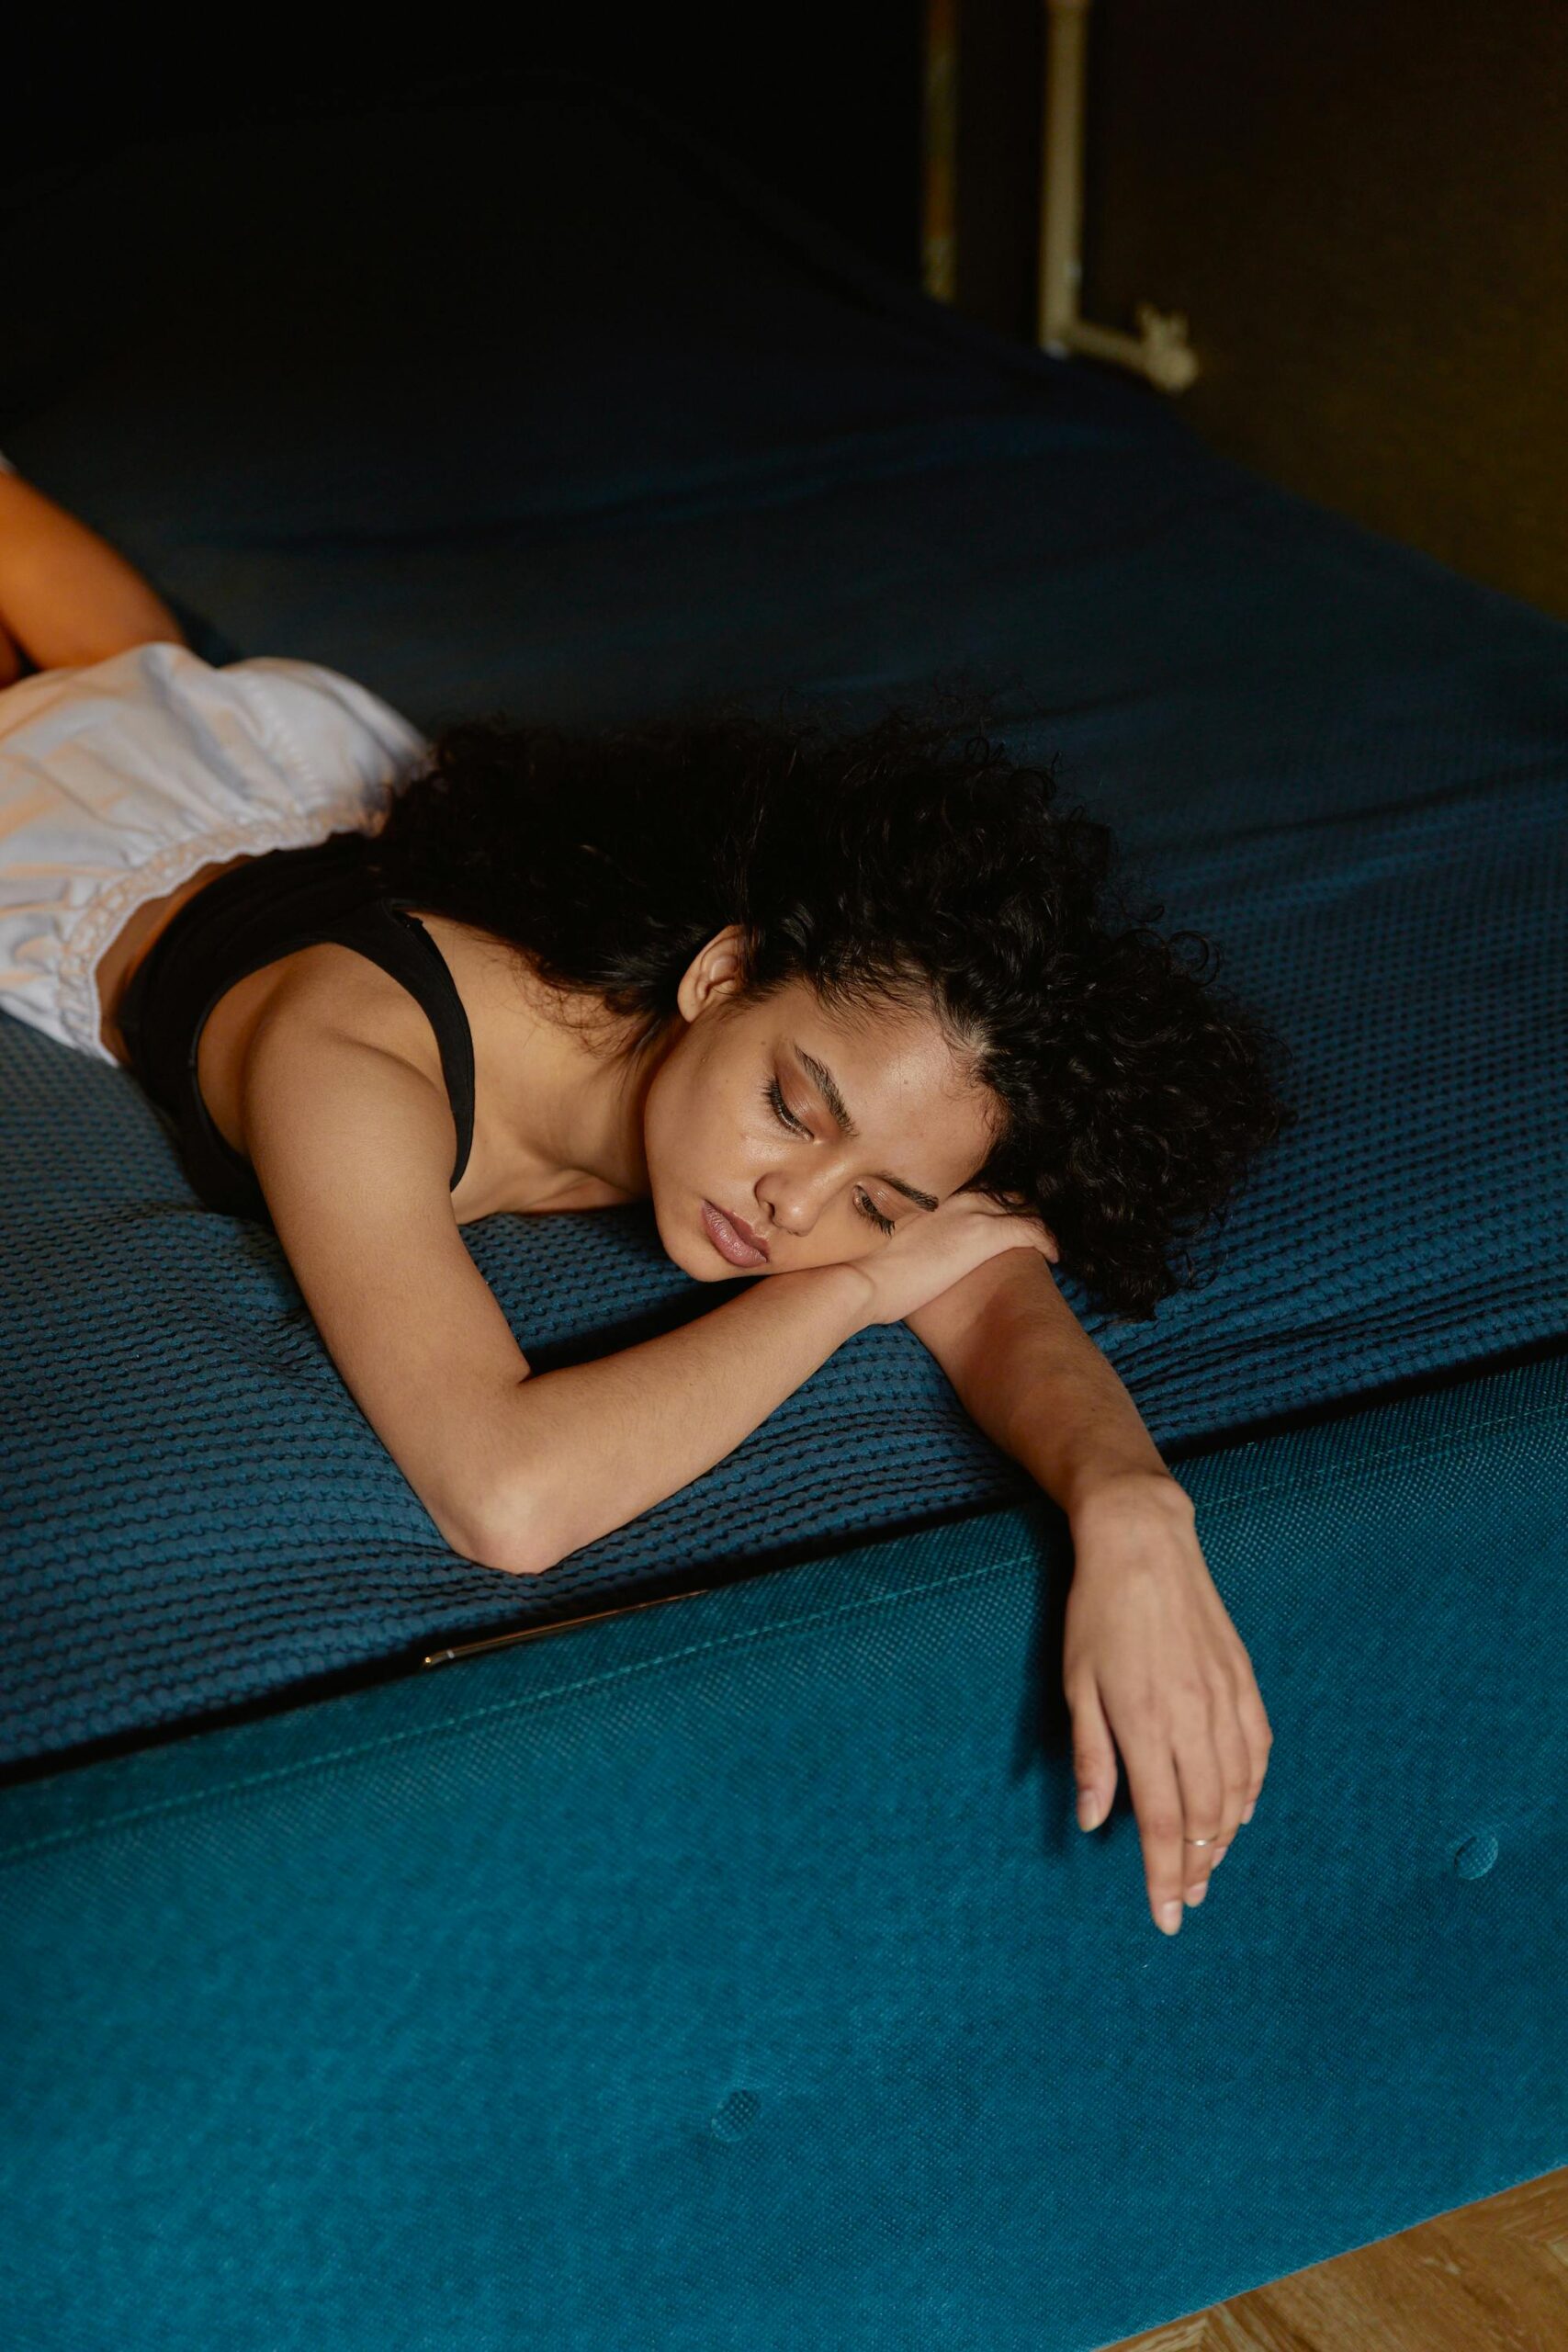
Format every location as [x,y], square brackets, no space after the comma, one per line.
[679,1123]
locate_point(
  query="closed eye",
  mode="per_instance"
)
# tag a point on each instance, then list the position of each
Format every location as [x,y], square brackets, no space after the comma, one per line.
[772,1096]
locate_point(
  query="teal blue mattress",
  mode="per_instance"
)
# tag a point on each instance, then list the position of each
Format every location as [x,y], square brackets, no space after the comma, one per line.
[730,1976]
[574,423]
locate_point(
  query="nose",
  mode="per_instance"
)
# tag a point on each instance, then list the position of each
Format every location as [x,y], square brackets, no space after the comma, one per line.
[791,1210]
[796,1191]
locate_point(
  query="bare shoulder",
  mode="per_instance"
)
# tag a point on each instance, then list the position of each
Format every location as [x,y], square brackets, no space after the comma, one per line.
[313,995]
[334,1037]
[331,990]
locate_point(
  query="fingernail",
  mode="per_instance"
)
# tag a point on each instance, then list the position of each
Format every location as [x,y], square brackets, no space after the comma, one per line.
[1195,1894]
[1088,1813]
[1219,1853]
[1171,1917]
[1250,1810]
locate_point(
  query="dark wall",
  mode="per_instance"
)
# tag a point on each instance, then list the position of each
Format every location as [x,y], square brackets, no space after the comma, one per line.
[1363,208]
[821,103]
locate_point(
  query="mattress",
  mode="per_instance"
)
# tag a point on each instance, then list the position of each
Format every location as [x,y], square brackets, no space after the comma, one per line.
[576,422]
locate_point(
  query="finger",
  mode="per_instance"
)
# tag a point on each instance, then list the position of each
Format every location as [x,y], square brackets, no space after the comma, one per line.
[1038,1234]
[1201,1782]
[1150,1765]
[1257,1732]
[1041,1236]
[1235,1771]
[1094,1757]
[1257,1736]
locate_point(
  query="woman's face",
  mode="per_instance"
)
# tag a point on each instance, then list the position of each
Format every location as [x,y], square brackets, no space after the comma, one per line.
[803,1124]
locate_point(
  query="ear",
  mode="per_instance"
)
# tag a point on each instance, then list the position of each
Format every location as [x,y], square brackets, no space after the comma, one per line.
[713,973]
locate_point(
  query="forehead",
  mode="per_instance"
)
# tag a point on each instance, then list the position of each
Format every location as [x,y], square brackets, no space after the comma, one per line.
[898,1076]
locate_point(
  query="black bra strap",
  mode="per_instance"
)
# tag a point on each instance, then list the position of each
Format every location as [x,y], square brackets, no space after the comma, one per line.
[399,943]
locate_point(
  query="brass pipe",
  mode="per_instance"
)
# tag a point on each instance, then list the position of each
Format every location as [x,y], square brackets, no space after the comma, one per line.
[1160,350]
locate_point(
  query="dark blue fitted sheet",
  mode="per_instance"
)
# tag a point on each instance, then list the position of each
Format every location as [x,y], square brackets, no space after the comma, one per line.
[568,422]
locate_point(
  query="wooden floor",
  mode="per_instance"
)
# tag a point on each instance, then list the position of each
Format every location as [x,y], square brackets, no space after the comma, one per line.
[1487,2278]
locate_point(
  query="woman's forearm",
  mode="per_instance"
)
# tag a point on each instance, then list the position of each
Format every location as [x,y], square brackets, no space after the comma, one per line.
[1072,1424]
[600,1442]
[66,597]
[1028,1374]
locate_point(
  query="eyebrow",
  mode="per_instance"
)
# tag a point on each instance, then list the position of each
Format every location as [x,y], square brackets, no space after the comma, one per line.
[827,1086]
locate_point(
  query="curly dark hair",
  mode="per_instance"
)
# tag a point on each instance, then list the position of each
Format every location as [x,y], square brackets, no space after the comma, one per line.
[911,860]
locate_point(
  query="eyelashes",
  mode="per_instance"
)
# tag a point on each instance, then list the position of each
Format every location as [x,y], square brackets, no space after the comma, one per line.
[774,1098]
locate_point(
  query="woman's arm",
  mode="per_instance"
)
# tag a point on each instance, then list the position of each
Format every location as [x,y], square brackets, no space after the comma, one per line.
[1027,1371]
[598,1443]
[353,1150]
[66,597]
[1149,1653]
[11,657]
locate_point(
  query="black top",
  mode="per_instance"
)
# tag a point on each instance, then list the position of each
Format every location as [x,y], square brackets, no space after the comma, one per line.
[267,907]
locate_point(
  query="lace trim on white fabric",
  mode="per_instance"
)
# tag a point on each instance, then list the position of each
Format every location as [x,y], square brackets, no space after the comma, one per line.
[102,920]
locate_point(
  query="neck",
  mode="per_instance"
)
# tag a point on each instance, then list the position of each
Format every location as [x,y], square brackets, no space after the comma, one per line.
[561,1102]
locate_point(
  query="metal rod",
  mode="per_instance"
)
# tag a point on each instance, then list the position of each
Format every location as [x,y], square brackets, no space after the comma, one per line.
[939,250]
[1061,171]
[557,1625]
[1160,349]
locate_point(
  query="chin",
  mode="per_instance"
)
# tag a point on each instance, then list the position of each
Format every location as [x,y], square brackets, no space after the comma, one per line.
[695,1258]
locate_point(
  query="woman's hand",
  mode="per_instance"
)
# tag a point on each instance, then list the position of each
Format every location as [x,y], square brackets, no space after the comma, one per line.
[933,1252]
[1150,1655]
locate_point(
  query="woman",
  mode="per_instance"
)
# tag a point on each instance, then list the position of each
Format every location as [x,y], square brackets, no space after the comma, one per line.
[854,1013]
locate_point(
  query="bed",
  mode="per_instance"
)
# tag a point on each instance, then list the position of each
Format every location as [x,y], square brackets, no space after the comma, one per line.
[701,1952]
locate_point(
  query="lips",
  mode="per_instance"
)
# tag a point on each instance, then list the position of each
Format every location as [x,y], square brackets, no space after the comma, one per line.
[752,1240]
[732,1239]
